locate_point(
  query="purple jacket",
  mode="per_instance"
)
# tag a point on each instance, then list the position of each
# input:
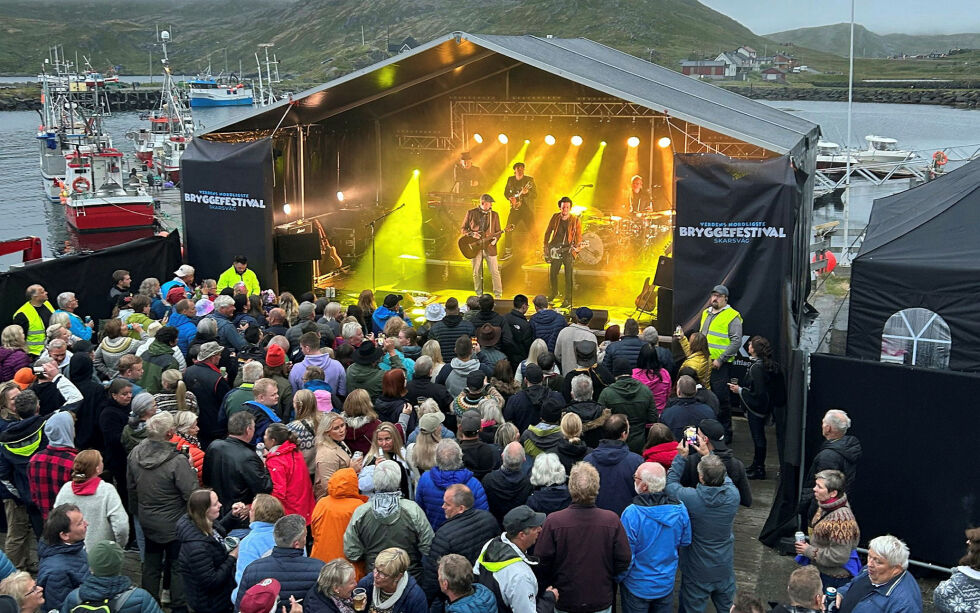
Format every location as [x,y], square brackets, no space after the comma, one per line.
[333,373]
[12,360]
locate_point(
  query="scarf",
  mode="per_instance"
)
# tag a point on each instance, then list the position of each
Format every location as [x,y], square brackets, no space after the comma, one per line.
[85,488]
[192,440]
[344,605]
[384,604]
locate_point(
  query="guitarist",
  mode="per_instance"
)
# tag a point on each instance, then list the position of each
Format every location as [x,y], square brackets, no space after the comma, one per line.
[479,222]
[521,192]
[562,239]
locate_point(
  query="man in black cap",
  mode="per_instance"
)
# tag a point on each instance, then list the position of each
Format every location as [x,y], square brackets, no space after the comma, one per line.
[722,325]
[476,390]
[390,308]
[544,436]
[467,178]
[711,440]
[505,567]
[483,222]
[365,372]
[478,456]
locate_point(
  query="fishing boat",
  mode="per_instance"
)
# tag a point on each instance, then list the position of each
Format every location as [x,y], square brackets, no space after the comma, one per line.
[96,195]
[882,149]
[831,156]
[205,90]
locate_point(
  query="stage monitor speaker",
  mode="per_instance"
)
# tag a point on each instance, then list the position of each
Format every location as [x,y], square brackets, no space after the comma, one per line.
[295,277]
[599,319]
[503,307]
[665,273]
[291,248]
[344,239]
[665,311]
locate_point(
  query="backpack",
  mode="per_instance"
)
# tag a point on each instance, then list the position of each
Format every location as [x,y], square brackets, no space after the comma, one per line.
[106,605]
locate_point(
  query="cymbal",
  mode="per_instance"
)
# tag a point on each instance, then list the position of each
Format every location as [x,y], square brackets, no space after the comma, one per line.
[657,214]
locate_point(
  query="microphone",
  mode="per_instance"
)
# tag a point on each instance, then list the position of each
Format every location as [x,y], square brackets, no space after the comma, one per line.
[587,185]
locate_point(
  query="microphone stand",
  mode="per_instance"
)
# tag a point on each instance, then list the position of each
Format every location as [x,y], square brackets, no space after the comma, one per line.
[580,188]
[372,224]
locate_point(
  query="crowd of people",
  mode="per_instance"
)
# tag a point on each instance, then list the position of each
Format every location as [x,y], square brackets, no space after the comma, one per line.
[279,453]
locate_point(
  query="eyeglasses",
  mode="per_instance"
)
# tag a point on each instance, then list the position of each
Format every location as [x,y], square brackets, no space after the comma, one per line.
[383,574]
[35,590]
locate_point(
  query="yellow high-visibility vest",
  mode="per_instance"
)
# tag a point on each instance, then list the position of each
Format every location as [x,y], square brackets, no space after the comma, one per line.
[35,327]
[717,333]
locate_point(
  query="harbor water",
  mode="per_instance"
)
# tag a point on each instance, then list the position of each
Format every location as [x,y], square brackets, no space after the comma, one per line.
[25,210]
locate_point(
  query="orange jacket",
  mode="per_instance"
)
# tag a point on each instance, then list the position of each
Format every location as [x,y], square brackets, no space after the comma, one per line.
[331,516]
[195,453]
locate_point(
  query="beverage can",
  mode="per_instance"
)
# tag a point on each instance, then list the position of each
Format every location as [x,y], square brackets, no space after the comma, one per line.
[799,537]
[830,600]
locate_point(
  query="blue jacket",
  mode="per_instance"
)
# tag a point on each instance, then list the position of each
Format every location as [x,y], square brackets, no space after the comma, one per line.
[433,485]
[381,316]
[901,595]
[711,556]
[158,308]
[480,601]
[656,525]
[616,465]
[627,347]
[295,573]
[546,325]
[412,600]
[96,589]
[7,567]
[258,543]
[62,568]
[228,336]
[186,330]
[78,327]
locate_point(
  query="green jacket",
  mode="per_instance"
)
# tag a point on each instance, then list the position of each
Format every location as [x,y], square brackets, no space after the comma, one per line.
[369,377]
[235,399]
[156,359]
[538,440]
[631,398]
[388,520]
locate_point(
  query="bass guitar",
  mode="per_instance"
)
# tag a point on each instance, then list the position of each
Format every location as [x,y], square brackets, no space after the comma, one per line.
[470,246]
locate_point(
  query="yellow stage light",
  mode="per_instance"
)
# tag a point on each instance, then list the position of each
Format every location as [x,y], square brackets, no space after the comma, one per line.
[415,172]
[527,142]
[633,141]
[602,143]
[578,209]
[478,138]
[664,142]
[340,196]
[287,209]
[576,140]
[549,139]
[502,138]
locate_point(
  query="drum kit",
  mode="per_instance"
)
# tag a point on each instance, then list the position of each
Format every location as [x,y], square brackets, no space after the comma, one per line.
[625,236]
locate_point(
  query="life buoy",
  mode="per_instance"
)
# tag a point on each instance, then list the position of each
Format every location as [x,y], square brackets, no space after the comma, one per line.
[81,184]
[940,158]
[829,258]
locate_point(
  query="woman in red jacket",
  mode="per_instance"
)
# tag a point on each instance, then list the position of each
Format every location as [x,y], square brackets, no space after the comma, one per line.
[185,437]
[660,446]
[291,483]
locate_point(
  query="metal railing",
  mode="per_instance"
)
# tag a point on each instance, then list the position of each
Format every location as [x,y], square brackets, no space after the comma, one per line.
[921,167]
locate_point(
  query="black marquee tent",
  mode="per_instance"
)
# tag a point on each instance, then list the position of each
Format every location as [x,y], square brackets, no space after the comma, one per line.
[917,276]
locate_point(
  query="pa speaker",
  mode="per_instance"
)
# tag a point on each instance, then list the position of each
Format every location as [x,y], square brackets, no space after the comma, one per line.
[295,277]
[665,273]
[599,319]
[665,311]
[503,307]
[291,248]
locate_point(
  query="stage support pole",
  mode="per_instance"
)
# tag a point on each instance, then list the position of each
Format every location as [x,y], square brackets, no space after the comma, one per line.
[301,162]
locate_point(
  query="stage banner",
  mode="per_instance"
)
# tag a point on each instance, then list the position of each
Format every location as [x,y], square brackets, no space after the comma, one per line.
[89,275]
[734,227]
[226,195]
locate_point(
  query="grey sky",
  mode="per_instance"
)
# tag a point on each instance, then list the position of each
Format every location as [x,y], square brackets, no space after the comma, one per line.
[879,16]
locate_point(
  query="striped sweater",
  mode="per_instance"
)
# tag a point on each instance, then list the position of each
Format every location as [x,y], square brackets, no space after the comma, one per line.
[834,533]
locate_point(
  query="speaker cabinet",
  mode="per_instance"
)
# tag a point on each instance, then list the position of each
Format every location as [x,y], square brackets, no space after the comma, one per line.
[292,248]
[295,277]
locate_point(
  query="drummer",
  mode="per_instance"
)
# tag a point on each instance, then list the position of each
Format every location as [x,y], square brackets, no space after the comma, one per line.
[638,198]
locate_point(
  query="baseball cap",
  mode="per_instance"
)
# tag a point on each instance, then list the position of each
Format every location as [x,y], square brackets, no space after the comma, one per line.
[306,310]
[533,373]
[431,422]
[176,294]
[522,518]
[261,597]
[470,422]
[391,300]
[720,289]
[24,377]
[184,270]
[621,366]
[714,431]
[105,559]
[583,314]
[476,380]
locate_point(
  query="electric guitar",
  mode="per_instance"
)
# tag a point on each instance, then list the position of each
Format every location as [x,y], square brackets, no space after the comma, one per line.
[470,246]
[647,299]
[559,253]
[517,200]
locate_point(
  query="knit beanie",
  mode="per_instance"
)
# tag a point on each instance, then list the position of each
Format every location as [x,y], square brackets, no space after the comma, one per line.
[105,559]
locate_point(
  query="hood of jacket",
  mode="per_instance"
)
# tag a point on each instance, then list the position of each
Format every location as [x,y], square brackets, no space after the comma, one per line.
[321,361]
[587,410]
[60,429]
[358,422]
[537,393]
[453,320]
[61,549]
[718,496]
[285,448]
[157,348]
[610,453]
[499,554]
[444,478]
[152,454]
[627,388]
[664,452]
[575,451]
[18,430]
[176,320]
[80,368]
[100,588]
[511,483]
[548,316]
[480,601]
[543,436]
[464,368]
[654,499]
[385,506]
[343,484]
[847,445]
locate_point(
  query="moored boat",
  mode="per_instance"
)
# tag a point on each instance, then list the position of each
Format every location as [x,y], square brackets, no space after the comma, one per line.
[97,197]
[218,91]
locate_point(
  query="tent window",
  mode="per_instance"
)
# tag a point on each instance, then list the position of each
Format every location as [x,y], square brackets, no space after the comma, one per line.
[917,337]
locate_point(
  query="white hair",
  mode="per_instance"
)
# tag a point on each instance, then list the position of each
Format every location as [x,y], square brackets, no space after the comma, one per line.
[449,455]
[581,388]
[654,481]
[387,476]
[332,309]
[350,329]
[513,456]
[64,298]
[489,410]
[837,420]
[892,549]
[547,470]
[252,372]
[223,301]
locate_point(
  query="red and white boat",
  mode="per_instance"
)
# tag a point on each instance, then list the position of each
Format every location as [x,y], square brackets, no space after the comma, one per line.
[95,195]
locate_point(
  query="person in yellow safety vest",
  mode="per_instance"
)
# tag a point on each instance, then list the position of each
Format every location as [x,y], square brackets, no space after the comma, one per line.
[722,325]
[33,317]
[240,273]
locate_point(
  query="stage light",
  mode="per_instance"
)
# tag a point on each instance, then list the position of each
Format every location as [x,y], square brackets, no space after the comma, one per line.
[633,141]
[664,142]
[502,138]
[576,140]
[478,138]
[415,172]
[340,196]
[287,209]
[549,139]
[527,142]
[602,143]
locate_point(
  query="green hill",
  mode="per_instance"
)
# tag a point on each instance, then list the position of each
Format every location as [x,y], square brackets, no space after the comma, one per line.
[836,39]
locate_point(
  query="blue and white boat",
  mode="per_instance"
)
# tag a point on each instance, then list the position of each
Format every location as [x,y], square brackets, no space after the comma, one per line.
[206,90]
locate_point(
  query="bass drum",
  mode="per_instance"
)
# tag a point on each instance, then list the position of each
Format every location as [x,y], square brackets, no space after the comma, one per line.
[591,254]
